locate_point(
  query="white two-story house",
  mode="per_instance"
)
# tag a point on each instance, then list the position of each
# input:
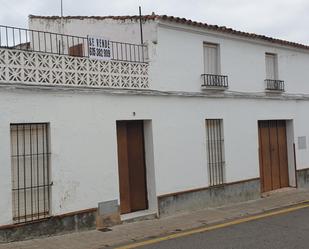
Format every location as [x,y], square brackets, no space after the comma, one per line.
[196,116]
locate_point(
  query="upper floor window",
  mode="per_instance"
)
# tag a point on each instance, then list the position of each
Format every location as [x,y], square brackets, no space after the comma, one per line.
[271,62]
[272,81]
[212,78]
[211,59]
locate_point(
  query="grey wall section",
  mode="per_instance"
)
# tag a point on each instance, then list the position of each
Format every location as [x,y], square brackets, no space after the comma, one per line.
[303,178]
[218,196]
[209,197]
[51,226]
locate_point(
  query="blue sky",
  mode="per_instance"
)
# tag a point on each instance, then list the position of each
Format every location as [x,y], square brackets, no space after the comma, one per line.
[285,19]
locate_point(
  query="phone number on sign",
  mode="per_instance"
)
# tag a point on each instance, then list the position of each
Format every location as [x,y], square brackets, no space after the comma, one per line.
[100,52]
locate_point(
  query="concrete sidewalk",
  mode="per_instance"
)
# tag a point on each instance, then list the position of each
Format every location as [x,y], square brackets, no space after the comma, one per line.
[132,232]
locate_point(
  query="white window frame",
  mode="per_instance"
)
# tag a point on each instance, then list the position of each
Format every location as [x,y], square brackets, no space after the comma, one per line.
[275,64]
[217,56]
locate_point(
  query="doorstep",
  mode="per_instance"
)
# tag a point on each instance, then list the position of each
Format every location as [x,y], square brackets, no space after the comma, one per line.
[280,190]
[138,216]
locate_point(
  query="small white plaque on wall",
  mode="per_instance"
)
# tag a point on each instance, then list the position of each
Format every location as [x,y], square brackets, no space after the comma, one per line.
[302,143]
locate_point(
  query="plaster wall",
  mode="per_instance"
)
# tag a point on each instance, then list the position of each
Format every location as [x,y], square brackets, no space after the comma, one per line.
[179,61]
[84,167]
[176,58]
[117,30]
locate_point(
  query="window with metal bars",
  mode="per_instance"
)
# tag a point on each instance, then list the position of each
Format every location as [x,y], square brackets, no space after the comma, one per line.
[215,151]
[30,162]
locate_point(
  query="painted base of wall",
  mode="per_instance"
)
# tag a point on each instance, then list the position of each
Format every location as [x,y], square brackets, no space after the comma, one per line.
[303,178]
[209,197]
[168,205]
[218,196]
[108,214]
[72,222]
[105,221]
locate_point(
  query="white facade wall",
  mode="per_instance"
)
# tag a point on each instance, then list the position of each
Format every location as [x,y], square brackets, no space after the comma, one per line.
[180,54]
[116,30]
[176,53]
[84,147]
[83,125]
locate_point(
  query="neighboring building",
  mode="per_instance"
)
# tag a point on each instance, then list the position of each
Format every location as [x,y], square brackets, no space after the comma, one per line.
[198,116]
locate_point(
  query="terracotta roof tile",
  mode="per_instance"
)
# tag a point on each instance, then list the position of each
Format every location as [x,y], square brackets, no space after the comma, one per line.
[222,29]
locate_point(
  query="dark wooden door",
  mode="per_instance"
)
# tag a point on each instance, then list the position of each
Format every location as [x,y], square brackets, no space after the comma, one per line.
[273,155]
[131,165]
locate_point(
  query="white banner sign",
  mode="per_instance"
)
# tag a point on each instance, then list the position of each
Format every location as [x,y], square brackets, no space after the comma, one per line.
[99,48]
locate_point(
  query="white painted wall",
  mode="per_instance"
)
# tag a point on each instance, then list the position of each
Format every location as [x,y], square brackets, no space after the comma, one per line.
[83,126]
[84,149]
[179,61]
[290,152]
[117,30]
[150,167]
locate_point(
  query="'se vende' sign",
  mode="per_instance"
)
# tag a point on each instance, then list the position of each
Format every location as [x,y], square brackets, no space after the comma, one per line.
[99,48]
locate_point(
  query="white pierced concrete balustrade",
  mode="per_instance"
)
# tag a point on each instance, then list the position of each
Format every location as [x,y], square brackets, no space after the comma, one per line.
[47,69]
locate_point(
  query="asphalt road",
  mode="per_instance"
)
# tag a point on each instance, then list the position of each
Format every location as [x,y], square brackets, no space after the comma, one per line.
[285,231]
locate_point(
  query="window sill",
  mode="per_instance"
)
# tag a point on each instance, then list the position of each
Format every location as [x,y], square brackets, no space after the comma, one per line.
[274,91]
[214,88]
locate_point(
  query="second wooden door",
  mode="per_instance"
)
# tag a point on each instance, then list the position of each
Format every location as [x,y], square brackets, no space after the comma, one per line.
[273,155]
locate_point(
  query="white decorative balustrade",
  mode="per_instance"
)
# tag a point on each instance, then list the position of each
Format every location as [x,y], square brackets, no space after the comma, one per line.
[34,68]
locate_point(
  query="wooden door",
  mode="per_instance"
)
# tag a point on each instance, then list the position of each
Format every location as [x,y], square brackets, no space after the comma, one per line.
[273,155]
[131,165]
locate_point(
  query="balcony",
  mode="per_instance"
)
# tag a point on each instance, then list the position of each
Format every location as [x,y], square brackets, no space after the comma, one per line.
[274,85]
[33,57]
[215,82]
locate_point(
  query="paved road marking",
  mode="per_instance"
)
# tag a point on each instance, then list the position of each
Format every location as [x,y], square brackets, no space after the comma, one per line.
[204,229]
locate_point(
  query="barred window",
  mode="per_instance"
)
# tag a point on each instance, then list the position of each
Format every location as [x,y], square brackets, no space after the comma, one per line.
[215,151]
[30,157]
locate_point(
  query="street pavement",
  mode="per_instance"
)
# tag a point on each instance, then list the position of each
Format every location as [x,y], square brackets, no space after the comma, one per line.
[285,231]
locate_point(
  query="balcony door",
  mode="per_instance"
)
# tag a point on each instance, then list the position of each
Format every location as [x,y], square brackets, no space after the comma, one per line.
[271,64]
[211,59]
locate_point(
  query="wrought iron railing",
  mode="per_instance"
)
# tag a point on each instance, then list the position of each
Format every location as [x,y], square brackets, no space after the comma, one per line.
[274,85]
[213,80]
[62,44]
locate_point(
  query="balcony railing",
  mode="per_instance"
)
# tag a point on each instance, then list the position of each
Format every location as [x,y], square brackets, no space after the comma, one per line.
[274,85]
[61,44]
[215,81]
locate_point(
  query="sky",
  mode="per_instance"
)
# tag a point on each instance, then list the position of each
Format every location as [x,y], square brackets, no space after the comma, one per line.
[283,19]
